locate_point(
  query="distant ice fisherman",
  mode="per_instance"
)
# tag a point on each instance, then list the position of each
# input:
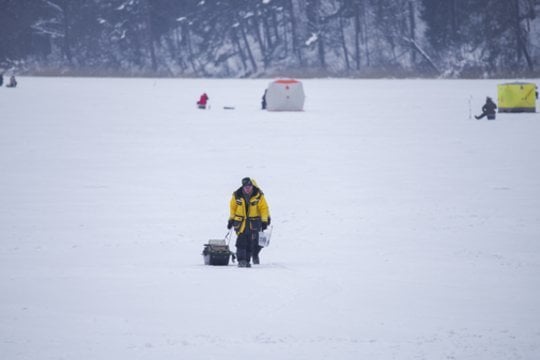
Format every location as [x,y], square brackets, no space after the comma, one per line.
[203,100]
[488,110]
[12,82]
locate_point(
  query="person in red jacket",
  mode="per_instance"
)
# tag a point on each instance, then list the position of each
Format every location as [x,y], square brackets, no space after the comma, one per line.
[202,101]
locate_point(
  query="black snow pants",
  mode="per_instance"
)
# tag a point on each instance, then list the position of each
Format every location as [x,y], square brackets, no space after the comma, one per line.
[247,245]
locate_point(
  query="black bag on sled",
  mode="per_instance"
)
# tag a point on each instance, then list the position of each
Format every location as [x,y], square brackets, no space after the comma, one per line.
[217,252]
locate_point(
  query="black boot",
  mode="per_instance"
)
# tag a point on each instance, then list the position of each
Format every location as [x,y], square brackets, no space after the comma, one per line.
[255,254]
[241,256]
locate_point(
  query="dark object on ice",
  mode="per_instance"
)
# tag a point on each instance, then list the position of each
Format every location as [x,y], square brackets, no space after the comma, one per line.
[263,103]
[217,252]
[488,110]
[12,82]
[243,264]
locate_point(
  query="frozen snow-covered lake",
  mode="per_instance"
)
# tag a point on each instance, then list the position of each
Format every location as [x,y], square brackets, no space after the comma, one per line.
[403,229]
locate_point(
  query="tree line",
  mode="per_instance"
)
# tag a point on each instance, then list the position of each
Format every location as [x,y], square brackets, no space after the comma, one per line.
[248,38]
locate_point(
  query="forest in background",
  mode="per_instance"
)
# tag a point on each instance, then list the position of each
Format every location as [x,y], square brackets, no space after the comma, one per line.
[261,38]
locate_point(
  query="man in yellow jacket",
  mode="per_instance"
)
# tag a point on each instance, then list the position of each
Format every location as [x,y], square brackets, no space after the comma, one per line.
[249,215]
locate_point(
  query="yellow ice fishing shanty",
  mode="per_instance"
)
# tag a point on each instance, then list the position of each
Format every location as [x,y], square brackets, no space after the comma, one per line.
[517,97]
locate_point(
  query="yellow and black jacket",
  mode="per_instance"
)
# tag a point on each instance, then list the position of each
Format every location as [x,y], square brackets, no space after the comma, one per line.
[249,210]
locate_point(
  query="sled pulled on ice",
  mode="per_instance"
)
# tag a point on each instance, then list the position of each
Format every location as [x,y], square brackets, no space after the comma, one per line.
[217,252]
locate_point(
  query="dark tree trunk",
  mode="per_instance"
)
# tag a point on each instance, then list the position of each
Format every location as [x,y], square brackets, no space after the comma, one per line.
[412,34]
[248,48]
[66,43]
[357,34]
[239,47]
[344,45]
[299,12]
[149,35]
[262,47]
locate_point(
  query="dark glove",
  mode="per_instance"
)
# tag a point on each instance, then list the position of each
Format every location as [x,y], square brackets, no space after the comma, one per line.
[230,224]
[264,225]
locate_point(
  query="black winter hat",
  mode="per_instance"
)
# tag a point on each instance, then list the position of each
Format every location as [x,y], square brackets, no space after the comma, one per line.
[246,181]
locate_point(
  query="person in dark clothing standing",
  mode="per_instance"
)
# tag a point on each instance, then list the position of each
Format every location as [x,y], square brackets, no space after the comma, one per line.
[488,110]
[249,214]
[263,103]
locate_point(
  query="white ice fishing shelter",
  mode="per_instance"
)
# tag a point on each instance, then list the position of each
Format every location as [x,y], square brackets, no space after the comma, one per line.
[285,95]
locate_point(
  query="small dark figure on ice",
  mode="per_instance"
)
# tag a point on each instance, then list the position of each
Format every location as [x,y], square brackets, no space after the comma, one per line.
[263,104]
[12,82]
[249,215]
[487,110]
[202,101]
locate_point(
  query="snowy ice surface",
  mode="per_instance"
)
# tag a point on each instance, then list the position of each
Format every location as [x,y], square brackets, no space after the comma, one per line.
[403,229]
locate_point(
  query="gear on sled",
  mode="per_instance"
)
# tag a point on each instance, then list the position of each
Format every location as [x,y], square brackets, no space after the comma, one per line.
[217,252]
